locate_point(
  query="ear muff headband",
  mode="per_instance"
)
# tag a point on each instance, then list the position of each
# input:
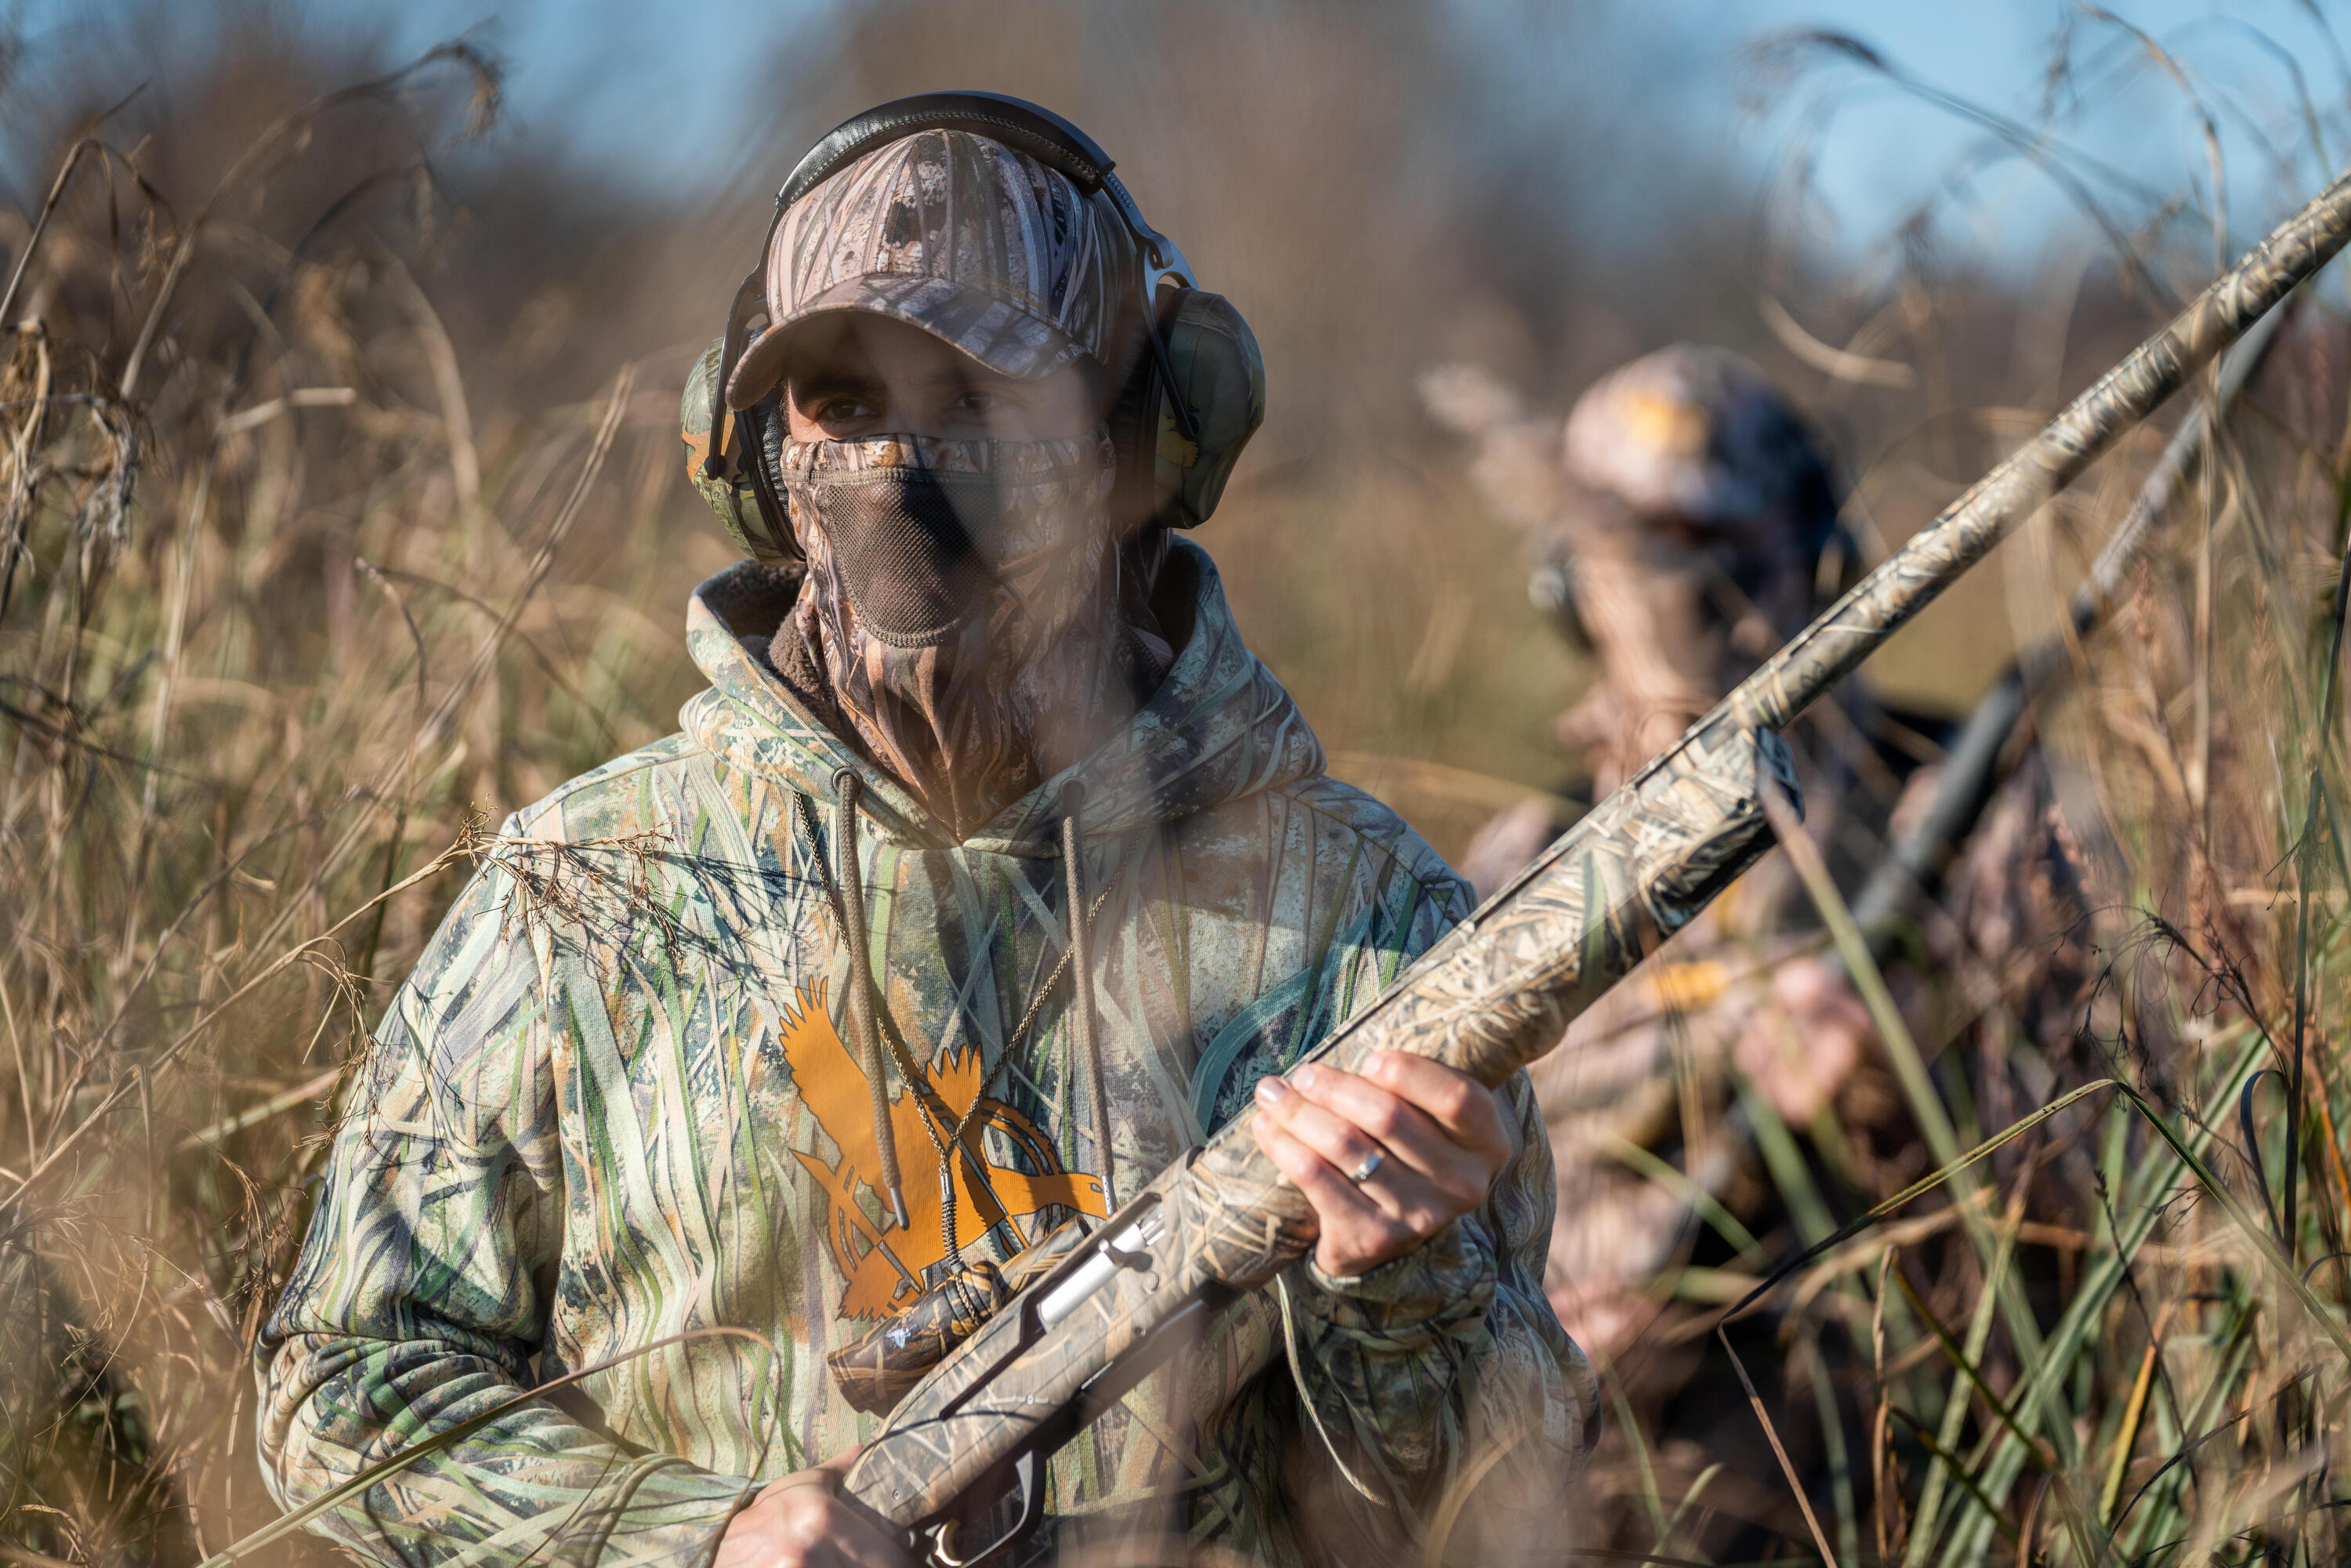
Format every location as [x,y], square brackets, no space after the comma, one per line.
[1178,352]
[1021,125]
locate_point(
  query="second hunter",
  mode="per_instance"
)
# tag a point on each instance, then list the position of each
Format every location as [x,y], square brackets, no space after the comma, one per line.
[990,872]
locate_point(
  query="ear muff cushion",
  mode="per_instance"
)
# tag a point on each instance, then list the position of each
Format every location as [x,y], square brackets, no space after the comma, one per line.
[731,499]
[734,501]
[1217,367]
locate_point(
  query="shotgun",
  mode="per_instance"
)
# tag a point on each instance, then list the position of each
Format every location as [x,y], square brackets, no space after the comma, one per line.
[963,1450]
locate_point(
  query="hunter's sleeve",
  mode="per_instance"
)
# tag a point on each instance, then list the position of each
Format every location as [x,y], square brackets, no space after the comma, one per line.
[1440,1384]
[419,1300]
[1444,1378]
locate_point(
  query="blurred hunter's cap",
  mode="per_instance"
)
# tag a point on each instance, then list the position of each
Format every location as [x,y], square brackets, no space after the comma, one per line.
[1702,435]
[977,245]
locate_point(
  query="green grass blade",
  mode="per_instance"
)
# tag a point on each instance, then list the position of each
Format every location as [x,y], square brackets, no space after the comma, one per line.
[2139,1210]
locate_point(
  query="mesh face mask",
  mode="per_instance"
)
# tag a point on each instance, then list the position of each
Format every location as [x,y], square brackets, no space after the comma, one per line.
[926,534]
[963,603]
[902,543]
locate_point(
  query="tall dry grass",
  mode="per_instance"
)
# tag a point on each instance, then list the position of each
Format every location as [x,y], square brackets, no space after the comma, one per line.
[276,602]
[2090,1305]
[322,537]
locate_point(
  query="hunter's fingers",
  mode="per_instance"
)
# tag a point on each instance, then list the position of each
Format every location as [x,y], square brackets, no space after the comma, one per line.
[1349,1118]
[798,1521]
[839,1537]
[1394,1182]
[1364,1224]
[1326,1130]
[1355,1233]
[1337,1201]
[1464,1108]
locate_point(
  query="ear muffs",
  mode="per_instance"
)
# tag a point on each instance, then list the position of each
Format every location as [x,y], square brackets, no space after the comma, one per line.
[1175,476]
[748,500]
[1551,588]
[1212,356]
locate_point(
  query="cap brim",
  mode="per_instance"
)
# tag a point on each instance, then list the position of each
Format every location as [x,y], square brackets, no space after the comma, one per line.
[1002,336]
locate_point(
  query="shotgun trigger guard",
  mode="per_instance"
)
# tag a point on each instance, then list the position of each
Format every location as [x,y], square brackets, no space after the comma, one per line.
[944,1550]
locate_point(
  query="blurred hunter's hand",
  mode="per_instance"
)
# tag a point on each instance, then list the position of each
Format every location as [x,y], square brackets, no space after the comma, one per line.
[1801,1053]
[799,1521]
[1426,1142]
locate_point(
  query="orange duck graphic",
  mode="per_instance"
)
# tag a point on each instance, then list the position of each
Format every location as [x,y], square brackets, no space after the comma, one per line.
[884,1267]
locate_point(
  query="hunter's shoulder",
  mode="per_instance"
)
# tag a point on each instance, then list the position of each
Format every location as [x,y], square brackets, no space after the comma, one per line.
[1370,831]
[629,794]
[1355,811]
[523,881]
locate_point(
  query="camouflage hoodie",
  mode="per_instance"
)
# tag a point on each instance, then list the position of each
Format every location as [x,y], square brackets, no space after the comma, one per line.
[612,1105]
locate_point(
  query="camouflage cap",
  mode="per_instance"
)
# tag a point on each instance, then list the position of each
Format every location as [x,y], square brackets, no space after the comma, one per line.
[978,245]
[1701,434]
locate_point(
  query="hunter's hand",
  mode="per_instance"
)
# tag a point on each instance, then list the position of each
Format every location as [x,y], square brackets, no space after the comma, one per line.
[799,1521]
[1801,1054]
[1426,1142]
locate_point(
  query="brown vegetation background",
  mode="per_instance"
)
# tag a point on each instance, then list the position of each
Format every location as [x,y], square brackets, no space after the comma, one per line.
[344,512]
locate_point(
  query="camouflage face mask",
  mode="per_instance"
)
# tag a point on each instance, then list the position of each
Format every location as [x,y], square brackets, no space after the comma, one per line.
[901,546]
[924,536]
[963,606]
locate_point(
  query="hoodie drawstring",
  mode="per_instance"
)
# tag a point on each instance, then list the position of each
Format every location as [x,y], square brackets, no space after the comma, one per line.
[1081,1000]
[852,878]
[846,890]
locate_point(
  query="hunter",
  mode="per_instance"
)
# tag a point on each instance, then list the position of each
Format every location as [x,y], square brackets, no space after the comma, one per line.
[990,872]
[1686,522]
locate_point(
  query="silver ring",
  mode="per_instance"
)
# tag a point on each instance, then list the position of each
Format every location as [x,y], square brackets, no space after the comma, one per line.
[1372,1162]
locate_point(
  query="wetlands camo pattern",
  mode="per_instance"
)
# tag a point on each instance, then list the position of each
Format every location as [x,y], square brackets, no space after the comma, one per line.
[612,1107]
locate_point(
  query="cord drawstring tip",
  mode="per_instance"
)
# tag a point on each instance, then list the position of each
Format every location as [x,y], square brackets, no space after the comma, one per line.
[898,1208]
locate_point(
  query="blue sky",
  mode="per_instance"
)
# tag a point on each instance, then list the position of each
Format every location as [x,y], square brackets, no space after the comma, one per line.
[590,75]
[590,72]
[1886,149]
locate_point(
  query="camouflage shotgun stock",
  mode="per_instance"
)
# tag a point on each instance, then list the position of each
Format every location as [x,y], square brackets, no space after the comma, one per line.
[968,1443]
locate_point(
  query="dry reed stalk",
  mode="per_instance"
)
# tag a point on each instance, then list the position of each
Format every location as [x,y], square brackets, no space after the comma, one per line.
[227,801]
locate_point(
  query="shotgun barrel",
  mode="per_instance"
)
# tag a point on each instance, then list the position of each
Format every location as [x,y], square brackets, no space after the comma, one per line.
[1913,868]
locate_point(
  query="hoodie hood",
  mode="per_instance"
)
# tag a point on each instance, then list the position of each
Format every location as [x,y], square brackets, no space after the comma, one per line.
[1219,729]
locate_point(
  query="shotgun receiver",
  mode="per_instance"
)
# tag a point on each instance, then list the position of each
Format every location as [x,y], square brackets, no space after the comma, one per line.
[964,1451]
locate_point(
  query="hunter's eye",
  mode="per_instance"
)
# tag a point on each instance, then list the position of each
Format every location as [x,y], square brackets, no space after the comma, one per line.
[840,410]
